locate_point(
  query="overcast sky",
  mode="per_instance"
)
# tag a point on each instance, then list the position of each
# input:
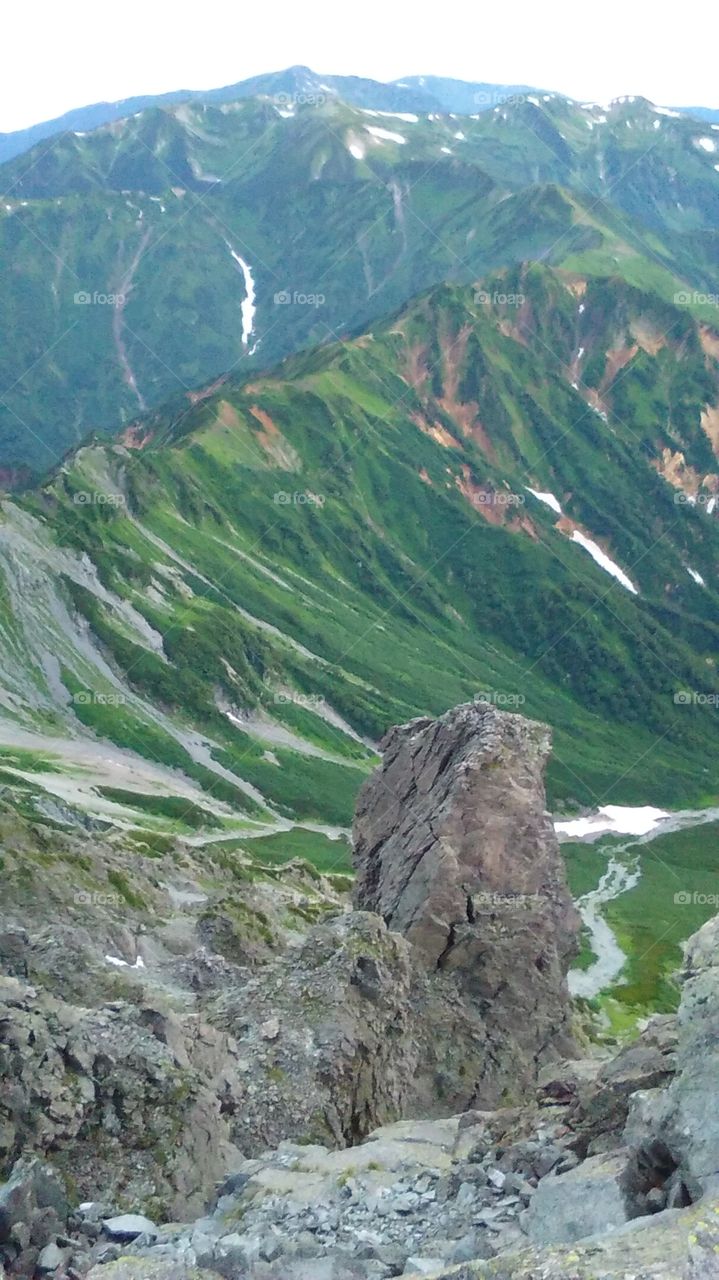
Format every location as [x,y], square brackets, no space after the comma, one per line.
[58,54]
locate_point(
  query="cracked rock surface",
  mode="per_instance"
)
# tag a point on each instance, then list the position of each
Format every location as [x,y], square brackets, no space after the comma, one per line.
[455,850]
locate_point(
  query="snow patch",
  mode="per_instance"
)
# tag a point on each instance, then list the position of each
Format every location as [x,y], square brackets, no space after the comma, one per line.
[664,111]
[385,135]
[125,964]
[407,116]
[696,576]
[617,819]
[548,498]
[248,306]
[706,144]
[604,561]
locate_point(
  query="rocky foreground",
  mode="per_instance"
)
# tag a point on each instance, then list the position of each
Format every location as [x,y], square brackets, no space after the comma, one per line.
[276,1085]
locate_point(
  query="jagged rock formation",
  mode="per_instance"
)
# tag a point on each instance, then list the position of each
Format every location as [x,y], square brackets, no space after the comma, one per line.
[501,1195]
[455,850]
[682,1119]
[335,1048]
[152,1037]
[280,1069]
[124,1097]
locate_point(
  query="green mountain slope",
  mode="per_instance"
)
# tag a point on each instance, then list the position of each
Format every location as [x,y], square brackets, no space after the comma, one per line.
[130,252]
[233,605]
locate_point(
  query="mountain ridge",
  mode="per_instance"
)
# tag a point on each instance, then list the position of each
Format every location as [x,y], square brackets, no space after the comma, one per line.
[453,95]
[230,607]
[311,220]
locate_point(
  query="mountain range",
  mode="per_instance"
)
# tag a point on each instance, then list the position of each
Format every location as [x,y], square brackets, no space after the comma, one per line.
[160,250]
[322,417]
[411,93]
[507,490]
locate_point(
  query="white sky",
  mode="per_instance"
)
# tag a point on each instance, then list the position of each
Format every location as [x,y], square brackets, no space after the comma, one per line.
[58,54]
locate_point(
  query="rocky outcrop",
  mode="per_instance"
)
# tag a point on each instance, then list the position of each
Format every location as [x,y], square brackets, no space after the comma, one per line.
[455,850]
[157,1032]
[506,1194]
[327,1037]
[683,1119]
[110,1062]
[314,1068]
[598,1093]
[126,1098]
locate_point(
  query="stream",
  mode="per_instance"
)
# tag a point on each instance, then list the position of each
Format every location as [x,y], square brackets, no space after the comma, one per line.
[622,873]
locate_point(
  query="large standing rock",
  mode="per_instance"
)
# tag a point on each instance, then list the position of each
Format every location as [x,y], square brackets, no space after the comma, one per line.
[455,850]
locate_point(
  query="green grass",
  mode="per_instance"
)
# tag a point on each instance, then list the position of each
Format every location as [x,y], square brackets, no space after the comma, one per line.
[652,921]
[584,864]
[677,892]
[178,809]
[325,855]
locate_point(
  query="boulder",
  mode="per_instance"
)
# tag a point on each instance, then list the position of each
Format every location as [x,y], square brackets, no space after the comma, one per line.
[328,1037]
[128,1226]
[51,1258]
[588,1200]
[33,1191]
